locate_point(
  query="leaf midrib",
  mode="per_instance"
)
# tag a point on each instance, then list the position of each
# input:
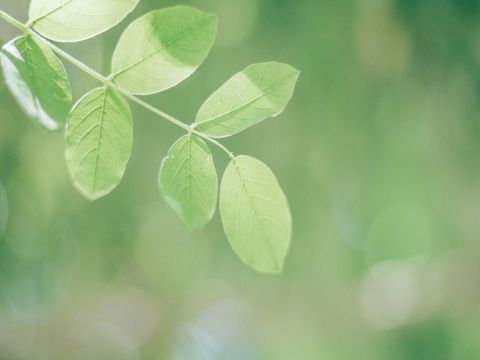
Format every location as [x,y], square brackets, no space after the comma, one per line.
[188,163]
[163,47]
[242,106]
[97,150]
[31,74]
[34,21]
[255,210]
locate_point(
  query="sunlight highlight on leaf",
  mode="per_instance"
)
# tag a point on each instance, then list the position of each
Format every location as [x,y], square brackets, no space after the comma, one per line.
[162,48]
[249,97]
[76,20]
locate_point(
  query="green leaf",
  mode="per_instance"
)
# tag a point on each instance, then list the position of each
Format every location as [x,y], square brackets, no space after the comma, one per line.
[99,142]
[162,48]
[38,81]
[189,182]
[76,20]
[249,97]
[255,214]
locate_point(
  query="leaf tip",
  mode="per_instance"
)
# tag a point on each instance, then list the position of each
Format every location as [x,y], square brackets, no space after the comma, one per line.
[89,195]
[275,269]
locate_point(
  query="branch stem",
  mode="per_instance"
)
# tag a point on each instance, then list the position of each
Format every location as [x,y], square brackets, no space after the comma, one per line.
[108,82]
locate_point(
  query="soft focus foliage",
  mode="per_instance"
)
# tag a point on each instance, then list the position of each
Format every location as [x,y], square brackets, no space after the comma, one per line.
[377,152]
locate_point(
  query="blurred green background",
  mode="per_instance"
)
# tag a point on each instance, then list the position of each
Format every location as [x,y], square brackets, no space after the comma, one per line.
[377,152]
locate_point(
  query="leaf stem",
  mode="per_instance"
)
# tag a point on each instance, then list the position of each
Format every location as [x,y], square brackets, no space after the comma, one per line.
[107,81]
[12,21]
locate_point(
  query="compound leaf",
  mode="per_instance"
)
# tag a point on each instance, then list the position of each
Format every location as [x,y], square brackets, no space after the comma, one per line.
[162,48]
[99,142]
[260,91]
[189,182]
[76,20]
[38,81]
[255,214]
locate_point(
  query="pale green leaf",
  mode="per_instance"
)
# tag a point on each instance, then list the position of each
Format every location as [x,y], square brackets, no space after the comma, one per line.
[99,142]
[162,48]
[255,214]
[189,182]
[76,20]
[38,81]
[249,97]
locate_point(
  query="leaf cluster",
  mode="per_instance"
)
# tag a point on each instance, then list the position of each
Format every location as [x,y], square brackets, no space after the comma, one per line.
[156,52]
